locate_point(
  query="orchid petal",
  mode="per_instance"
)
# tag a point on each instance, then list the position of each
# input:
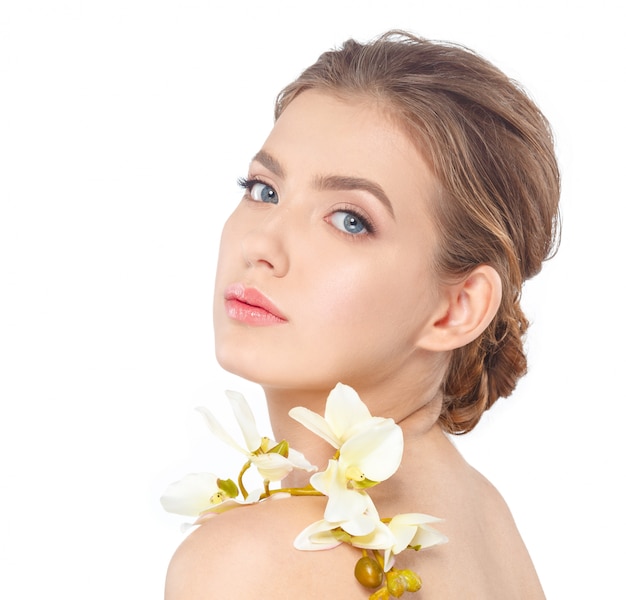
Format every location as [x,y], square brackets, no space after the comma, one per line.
[403,536]
[347,505]
[272,466]
[317,536]
[327,480]
[315,423]
[410,529]
[366,522]
[358,428]
[299,461]
[218,509]
[377,451]
[332,480]
[245,418]
[427,536]
[217,430]
[414,519]
[344,409]
[379,539]
[191,495]
[388,560]
[343,504]
[360,525]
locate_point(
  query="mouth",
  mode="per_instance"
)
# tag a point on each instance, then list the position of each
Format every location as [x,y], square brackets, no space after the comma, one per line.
[248,305]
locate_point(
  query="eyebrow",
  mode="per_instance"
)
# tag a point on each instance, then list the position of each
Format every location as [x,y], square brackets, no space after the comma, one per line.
[342,182]
[269,162]
[330,182]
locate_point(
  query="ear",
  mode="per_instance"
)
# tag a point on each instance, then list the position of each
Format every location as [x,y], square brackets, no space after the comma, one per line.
[466,309]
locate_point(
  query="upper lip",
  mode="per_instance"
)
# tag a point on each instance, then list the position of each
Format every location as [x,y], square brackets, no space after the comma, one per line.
[252,296]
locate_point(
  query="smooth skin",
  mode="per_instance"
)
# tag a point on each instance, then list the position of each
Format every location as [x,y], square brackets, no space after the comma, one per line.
[335,229]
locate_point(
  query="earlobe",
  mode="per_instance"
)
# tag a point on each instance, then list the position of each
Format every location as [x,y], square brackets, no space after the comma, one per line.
[466,310]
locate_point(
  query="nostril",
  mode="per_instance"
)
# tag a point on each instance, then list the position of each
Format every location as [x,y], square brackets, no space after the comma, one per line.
[262,250]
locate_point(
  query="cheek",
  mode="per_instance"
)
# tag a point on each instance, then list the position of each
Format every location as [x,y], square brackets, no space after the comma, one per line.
[388,295]
[351,292]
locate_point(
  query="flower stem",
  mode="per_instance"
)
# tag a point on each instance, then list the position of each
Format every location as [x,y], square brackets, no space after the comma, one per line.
[244,491]
[379,558]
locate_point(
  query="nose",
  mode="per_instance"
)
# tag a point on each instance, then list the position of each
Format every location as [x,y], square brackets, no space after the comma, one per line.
[263,247]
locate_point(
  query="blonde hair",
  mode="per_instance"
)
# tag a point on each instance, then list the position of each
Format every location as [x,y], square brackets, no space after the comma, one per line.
[492,151]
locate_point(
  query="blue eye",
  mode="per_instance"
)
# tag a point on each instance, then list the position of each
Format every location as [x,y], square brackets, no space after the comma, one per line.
[350,223]
[262,192]
[259,191]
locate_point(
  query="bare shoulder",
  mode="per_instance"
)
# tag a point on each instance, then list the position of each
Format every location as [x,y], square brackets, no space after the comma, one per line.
[485,557]
[248,552]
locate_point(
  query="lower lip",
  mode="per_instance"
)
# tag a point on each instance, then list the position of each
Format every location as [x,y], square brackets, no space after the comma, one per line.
[250,315]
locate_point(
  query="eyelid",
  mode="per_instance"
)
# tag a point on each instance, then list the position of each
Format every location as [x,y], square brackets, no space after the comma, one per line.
[248,183]
[370,227]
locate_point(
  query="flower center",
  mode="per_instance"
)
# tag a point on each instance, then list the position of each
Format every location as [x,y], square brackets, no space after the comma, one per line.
[217,498]
[353,473]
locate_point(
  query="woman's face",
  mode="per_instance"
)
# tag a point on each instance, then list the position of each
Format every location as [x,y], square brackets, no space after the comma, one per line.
[325,267]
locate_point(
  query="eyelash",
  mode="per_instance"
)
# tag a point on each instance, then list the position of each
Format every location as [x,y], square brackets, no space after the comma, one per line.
[350,210]
[248,184]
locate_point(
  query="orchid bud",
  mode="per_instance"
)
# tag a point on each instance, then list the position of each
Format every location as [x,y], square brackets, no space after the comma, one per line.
[396,583]
[413,581]
[381,594]
[368,572]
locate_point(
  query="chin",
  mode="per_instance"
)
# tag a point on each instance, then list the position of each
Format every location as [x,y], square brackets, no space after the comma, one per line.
[243,364]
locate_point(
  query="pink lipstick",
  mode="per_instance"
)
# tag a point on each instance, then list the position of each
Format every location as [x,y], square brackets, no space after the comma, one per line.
[249,306]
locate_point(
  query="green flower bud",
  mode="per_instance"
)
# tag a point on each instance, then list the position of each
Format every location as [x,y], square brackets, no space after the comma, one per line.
[396,583]
[413,581]
[229,487]
[368,572]
[381,594]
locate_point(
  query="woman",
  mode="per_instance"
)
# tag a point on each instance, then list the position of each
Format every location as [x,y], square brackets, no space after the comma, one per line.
[405,193]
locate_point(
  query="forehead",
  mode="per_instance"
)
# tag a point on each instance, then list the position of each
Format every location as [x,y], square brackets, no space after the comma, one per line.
[324,134]
[349,121]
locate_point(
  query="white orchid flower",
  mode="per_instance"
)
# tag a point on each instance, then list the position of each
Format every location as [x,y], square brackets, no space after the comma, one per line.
[262,452]
[370,456]
[370,448]
[369,533]
[364,530]
[193,494]
[323,535]
[203,495]
[412,530]
[228,504]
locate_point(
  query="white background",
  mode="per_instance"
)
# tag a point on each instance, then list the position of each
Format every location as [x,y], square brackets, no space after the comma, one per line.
[123,128]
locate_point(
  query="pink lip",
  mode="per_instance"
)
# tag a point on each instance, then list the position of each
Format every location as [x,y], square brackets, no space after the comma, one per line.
[250,306]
